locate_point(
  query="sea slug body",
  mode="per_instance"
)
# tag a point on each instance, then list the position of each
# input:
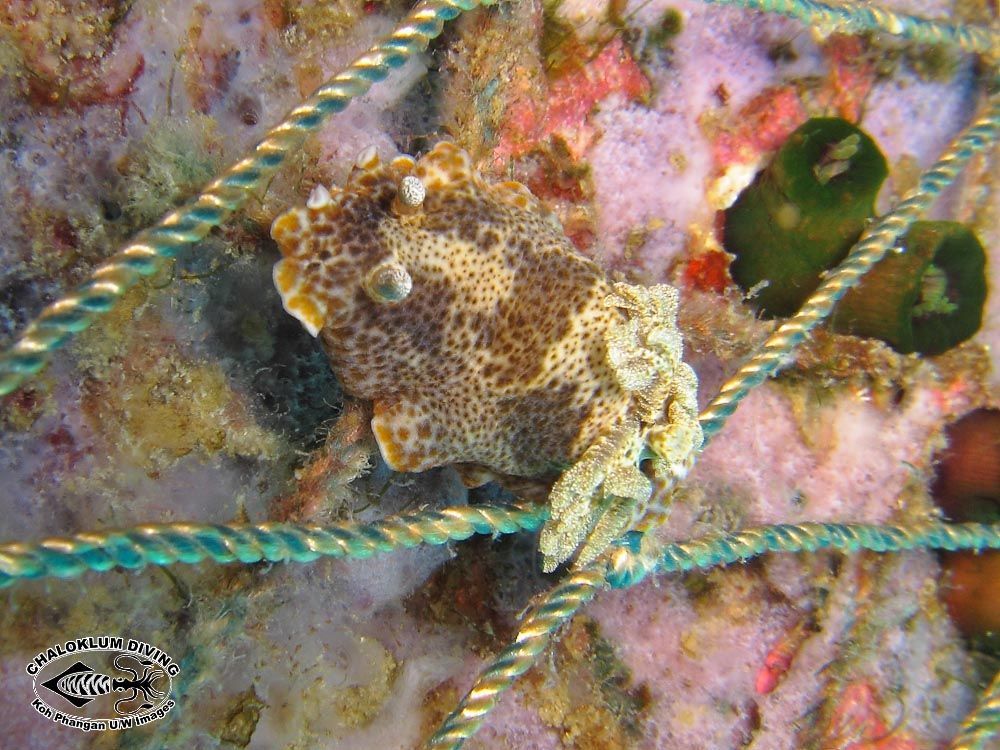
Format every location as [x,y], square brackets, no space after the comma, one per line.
[461,311]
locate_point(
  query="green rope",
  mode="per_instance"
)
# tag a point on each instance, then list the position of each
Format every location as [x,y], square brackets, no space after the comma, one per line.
[854,17]
[150,249]
[872,247]
[979,731]
[166,544]
[630,564]
[712,551]
[558,606]
[189,543]
[627,566]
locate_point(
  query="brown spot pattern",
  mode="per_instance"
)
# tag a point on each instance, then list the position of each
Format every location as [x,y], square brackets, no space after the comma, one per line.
[497,355]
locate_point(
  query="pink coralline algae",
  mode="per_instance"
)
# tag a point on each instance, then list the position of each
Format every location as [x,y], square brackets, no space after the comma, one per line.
[763,124]
[565,109]
[858,724]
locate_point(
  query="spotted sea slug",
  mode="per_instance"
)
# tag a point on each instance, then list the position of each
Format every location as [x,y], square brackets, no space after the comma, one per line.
[459,308]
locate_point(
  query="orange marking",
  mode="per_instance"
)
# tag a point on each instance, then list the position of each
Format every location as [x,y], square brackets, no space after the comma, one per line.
[285,277]
[305,309]
[285,230]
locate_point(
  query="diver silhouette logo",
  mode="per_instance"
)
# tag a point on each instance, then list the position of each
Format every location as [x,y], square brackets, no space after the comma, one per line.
[103,682]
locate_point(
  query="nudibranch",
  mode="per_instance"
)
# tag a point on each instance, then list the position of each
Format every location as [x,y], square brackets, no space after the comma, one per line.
[459,308]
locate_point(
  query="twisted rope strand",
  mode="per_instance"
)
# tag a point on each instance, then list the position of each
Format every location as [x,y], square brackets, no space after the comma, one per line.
[150,249]
[558,606]
[854,17]
[192,543]
[875,243]
[626,567]
[629,566]
[166,544]
[979,730]
[713,551]
[869,250]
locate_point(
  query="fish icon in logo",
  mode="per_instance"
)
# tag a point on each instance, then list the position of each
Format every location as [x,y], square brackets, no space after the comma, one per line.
[80,684]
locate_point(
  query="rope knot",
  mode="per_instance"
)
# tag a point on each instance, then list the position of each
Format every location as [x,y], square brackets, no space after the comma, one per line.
[627,566]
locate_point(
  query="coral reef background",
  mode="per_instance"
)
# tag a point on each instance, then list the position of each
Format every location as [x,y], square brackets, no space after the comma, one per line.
[200,399]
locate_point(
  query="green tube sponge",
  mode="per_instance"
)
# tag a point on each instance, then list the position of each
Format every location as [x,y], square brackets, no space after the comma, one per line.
[927,298]
[803,212]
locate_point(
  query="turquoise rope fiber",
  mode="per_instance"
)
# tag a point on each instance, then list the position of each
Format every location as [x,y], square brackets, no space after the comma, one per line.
[628,568]
[854,17]
[167,544]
